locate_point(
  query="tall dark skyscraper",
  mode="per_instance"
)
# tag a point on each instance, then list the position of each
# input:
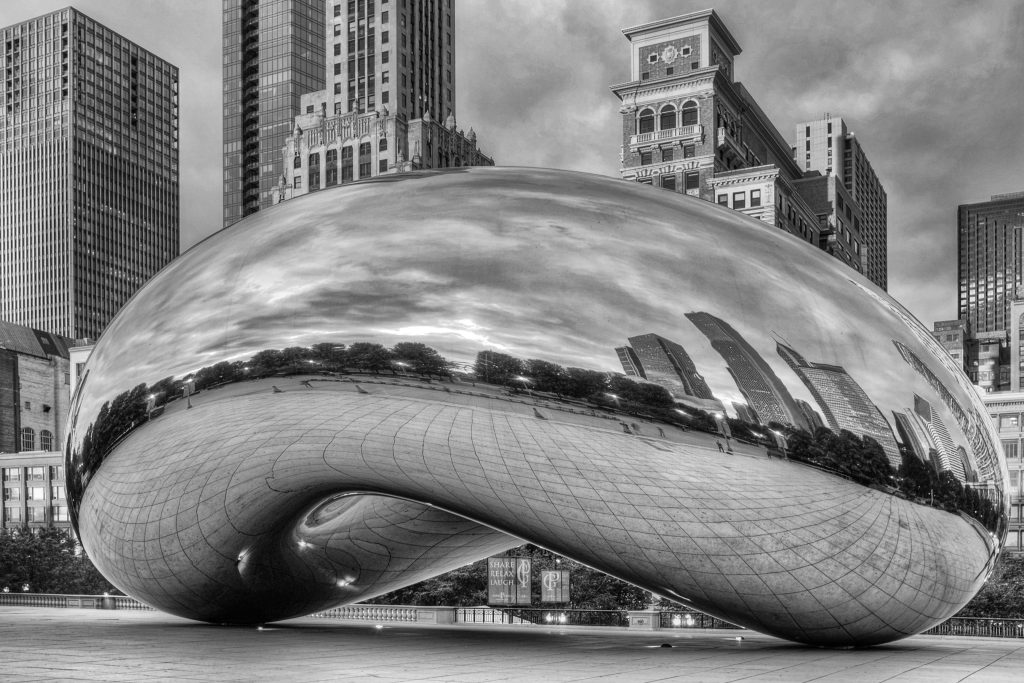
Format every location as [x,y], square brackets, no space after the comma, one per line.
[844,402]
[273,54]
[765,393]
[88,172]
[666,363]
[989,247]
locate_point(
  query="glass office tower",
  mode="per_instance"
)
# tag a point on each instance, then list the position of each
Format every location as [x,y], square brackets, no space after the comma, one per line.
[88,172]
[273,54]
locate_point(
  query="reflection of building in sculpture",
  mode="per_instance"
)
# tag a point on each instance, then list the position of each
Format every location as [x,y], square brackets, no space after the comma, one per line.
[812,416]
[939,438]
[666,363]
[744,413]
[1007,410]
[761,387]
[985,457]
[911,436]
[843,401]
[88,170]
[388,103]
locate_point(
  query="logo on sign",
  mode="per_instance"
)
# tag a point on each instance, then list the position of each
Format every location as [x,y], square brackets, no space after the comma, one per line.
[523,573]
[551,580]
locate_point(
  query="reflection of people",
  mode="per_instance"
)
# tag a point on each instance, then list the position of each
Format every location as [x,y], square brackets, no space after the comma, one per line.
[276,390]
[720,449]
[306,384]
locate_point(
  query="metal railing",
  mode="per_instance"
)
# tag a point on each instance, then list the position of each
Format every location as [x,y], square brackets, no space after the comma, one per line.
[686,619]
[541,616]
[979,627]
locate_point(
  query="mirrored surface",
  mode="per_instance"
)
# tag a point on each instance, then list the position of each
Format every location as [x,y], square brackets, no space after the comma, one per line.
[664,389]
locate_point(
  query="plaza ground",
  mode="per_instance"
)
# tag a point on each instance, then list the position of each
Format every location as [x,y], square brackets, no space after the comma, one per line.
[48,644]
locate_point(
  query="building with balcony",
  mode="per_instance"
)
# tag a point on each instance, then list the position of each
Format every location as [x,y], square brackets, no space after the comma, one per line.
[273,54]
[688,126]
[388,105]
[863,209]
[88,172]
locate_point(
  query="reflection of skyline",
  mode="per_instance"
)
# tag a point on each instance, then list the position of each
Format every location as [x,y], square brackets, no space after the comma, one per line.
[665,363]
[973,425]
[764,392]
[939,438]
[842,400]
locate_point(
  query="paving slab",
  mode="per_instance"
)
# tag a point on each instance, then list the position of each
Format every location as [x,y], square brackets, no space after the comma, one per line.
[48,644]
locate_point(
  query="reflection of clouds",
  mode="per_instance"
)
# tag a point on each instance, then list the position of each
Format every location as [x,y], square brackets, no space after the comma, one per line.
[536,264]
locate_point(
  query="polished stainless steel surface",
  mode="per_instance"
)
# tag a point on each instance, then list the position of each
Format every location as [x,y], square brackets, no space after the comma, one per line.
[372,384]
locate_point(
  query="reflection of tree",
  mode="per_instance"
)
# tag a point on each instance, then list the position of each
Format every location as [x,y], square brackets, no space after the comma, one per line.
[367,356]
[421,358]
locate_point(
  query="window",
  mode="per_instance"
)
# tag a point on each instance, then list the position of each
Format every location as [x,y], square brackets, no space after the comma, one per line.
[12,514]
[723,199]
[669,71]
[689,114]
[297,162]
[385,36]
[645,76]
[739,200]
[382,166]
[297,182]
[807,145]
[346,164]
[309,108]
[755,197]
[60,513]
[57,492]
[56,472]
[37,514]
[644,181]
[337,91]
[332,168]
[646,157]
[691,180]
[668,182]
[28,405]
[385,57]
[645,123]
[34,493]
[12,474]
[1010,448]
[1009,421]
[46,440]
[667,154]
[689,151]
[382,146]
[12,494]
[364,160]
[35,474]
[337,49]
[337,10]
[28,439]
[668,118]
[385,76]
[314,171]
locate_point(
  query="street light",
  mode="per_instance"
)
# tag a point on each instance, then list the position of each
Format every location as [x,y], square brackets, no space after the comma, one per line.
[526,383]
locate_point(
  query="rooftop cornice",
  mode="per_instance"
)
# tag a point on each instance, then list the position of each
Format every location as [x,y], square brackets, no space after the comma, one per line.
[712,17]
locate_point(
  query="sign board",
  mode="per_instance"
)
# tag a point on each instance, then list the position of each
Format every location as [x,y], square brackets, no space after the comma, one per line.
[508,580]
[554,585]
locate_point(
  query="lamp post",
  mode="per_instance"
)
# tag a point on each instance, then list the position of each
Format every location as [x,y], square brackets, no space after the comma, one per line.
[190,384]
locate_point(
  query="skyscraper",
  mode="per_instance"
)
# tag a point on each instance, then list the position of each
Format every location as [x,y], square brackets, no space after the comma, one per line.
[989,247]
[273,54]
[764,392]
[939,439]
[827,146]
[388,104]
[88,172]
[843,401]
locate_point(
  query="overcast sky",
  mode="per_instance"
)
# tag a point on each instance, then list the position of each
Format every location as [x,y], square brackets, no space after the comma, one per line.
[933,89]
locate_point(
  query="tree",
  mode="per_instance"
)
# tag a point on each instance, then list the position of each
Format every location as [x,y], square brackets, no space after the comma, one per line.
[420,358]
[47,560]
[368,356]
[497,368]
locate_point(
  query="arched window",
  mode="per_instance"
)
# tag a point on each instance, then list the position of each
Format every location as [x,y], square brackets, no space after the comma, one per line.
[689,114]
[28,439]
[382,146]
[668,118]
[45,440]
[645,124]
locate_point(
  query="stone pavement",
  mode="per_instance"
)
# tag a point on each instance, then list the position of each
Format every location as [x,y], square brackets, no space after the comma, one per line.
[40,644]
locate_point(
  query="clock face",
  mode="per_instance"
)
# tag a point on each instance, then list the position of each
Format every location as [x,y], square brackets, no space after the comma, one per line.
[669,54]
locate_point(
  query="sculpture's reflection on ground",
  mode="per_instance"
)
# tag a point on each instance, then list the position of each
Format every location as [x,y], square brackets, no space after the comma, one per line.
[343,393]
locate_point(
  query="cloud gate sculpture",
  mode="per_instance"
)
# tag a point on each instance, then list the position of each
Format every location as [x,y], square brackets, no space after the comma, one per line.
[377,383]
